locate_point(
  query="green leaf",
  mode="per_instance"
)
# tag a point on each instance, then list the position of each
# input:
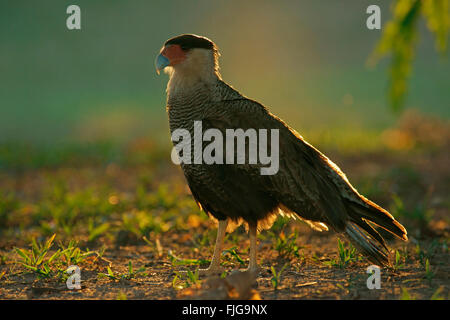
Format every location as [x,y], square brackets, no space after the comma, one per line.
[437,294]
[23,255]
[29,267]
[54,256]
[399,38]
[110,272]
[405,295]
[49,242]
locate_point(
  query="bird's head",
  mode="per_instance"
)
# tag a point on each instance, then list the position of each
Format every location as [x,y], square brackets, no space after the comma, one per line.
[188,54]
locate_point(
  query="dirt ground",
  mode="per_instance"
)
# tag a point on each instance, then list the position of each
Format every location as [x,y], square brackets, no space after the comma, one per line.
[304,278]
[136,227]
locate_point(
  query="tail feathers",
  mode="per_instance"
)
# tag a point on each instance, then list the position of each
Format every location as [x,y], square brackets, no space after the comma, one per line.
[373,249]
[371,231]
[374,213]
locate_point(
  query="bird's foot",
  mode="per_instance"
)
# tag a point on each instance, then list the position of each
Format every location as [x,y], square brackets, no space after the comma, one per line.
[212,270]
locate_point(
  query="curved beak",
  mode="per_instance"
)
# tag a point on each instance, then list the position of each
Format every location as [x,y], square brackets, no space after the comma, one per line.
[161,62]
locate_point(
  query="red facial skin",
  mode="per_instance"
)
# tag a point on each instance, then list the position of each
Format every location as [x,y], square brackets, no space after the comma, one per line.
[174,53]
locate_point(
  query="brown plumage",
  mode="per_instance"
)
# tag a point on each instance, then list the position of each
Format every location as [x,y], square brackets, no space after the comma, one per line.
[307,185]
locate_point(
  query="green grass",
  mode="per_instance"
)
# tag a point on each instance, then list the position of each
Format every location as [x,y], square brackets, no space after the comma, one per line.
[429,274]
[399,260]
[35,258]
[39,261]
[232,255]
[185,280]
[73,255]
[276,276]
[437,295]
[347,255]
[121,296]
[425,253]
[177,261]
[287,246]
[96,230]
[130,274]
[405,295]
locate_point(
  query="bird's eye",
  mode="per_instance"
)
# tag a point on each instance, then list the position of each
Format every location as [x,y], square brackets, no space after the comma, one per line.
[184,48]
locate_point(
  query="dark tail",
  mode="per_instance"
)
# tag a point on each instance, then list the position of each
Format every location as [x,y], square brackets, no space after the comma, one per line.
[364,236]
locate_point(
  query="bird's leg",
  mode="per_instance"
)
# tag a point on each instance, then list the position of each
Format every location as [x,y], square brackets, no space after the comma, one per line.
[253,265]
[214,267]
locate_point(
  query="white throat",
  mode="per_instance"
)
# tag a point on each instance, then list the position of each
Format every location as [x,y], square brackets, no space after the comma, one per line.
[200,67]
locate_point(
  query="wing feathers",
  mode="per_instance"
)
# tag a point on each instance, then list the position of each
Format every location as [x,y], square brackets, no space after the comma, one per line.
[307,182]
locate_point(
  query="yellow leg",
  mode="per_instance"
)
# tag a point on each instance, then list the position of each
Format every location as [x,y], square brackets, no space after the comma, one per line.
[214,267]
[253,265]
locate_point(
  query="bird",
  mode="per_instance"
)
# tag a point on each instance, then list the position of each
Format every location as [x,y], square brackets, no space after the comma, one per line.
[308,186]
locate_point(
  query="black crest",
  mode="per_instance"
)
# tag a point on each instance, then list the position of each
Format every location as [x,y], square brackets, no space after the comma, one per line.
[191,41]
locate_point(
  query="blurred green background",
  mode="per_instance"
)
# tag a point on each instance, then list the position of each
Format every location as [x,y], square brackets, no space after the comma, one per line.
[305,60]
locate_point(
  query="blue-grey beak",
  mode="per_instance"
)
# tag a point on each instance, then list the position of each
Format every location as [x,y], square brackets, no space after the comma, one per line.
[161,62]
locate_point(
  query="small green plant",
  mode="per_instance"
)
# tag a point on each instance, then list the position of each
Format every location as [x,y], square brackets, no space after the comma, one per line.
[34,259]
[175,284]
[130,274]
[2,259]
[346,256]
[340,286]
[405,295]
[276,276]
[72,254]
[142,223]
[99,253]
[286,246]
[398,261]
[203,239]
[96,231]
[429,274]
[419,253]
[233,253]
[279,225]
[437,294]
[315,258]
[184,280]
[37,259]
[121,295]
[110,274]
[177,261]
[425,254]
[193,277]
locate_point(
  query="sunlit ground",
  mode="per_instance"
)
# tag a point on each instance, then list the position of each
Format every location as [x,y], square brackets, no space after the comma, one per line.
[124,215]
